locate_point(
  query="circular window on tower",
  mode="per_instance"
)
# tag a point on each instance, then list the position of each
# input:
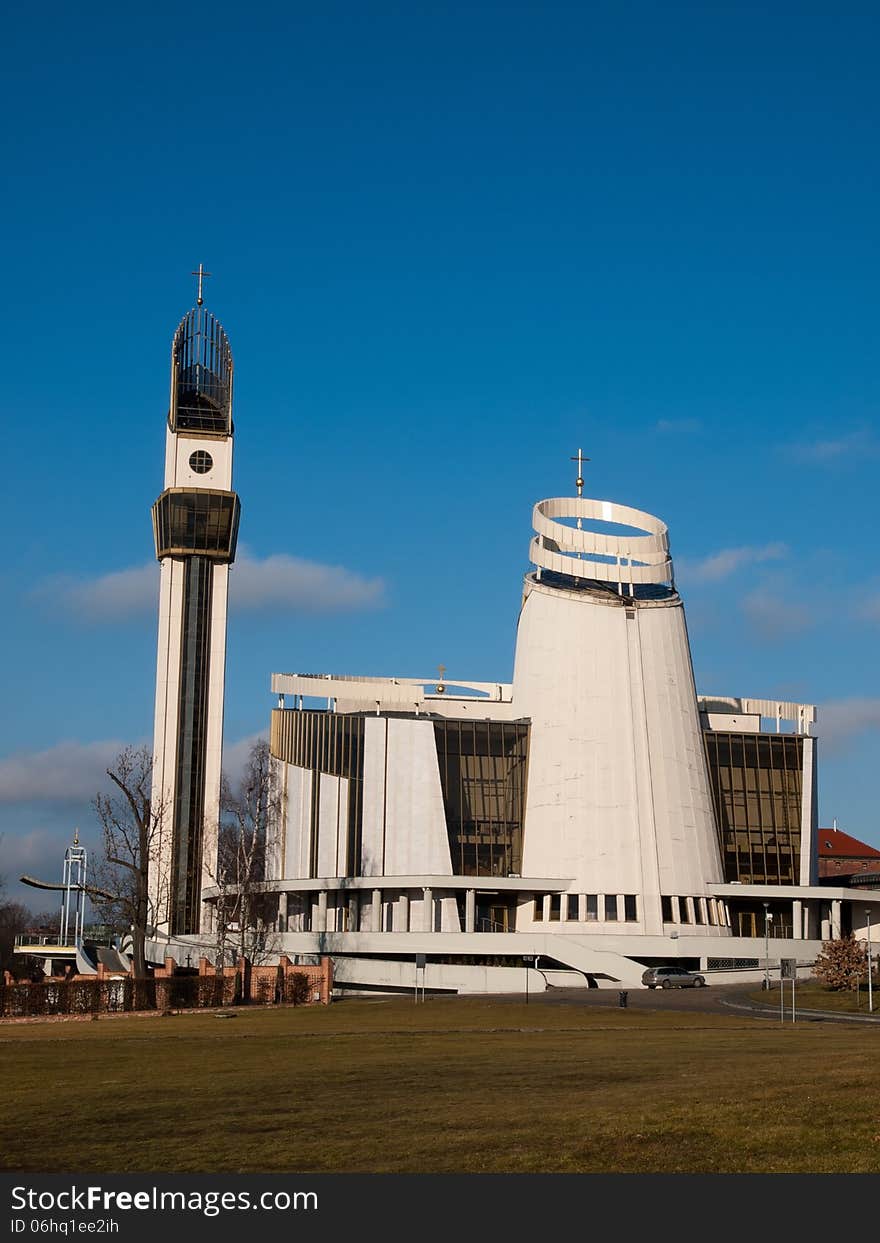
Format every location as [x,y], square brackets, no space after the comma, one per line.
[201,462]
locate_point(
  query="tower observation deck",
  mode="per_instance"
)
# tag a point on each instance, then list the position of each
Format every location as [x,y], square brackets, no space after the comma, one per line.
[195,528]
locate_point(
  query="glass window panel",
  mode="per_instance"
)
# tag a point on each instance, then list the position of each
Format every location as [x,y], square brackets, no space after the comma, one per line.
[759,796]
[482,774]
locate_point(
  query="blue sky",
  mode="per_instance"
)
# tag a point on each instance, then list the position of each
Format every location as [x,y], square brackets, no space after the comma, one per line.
[451,243]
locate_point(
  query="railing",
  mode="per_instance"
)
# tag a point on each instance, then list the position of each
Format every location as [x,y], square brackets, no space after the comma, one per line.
[490,925]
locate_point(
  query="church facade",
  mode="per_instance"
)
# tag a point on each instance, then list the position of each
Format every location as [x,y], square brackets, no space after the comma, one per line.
[590,818]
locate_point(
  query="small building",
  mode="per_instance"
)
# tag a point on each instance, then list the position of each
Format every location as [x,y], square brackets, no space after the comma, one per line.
[844,859]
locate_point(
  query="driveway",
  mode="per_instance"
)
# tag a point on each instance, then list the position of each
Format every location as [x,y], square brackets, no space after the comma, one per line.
[729,999]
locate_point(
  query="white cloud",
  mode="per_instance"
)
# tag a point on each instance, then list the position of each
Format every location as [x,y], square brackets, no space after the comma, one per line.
[30,852]
[73,772]
[235,755]
[727,561]
[300,585]
[256,584]
[69,772]
[859,443]
[117,596]
[842,719]
[774,613]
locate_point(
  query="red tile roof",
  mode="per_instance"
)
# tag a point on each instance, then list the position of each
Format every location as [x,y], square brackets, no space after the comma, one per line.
[836,845]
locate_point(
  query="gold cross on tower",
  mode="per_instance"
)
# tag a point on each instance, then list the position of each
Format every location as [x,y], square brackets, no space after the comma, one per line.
[202,274]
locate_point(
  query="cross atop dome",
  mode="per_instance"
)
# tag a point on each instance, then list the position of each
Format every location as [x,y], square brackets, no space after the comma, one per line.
[579,482]
[201,274]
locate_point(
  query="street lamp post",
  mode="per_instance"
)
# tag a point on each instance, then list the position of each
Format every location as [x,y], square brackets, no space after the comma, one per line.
[870,982]
[767,918]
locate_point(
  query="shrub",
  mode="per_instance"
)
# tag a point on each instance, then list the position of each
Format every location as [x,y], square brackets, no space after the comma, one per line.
[842,964]
[297,989]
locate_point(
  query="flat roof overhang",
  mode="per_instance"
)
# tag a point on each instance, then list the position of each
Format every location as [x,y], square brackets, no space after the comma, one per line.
[483,884]
[825,893]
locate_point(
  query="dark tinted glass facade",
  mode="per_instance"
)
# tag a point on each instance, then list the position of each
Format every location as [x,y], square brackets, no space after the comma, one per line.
[198,521]
[192,719]
[757,783]
[483,775]
[325,742]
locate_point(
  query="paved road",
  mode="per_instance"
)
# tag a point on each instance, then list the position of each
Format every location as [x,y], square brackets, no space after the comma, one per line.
[729,999]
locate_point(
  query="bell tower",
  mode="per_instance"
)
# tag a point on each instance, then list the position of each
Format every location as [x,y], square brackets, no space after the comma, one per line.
[195,527]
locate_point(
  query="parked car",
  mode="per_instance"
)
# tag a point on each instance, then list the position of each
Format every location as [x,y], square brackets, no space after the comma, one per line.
[672,977]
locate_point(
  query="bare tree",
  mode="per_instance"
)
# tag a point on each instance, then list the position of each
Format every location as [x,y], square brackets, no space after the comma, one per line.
[247,838]
[131,828]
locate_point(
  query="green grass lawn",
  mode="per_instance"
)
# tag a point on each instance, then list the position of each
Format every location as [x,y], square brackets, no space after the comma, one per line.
[811,995]
[456,1085]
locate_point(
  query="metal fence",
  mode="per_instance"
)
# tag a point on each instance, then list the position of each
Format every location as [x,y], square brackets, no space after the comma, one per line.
[80,997]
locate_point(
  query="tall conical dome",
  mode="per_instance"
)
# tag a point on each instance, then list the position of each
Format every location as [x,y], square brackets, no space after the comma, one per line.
[618,794]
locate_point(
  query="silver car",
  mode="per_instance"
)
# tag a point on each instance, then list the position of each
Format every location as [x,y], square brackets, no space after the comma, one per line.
[672,977]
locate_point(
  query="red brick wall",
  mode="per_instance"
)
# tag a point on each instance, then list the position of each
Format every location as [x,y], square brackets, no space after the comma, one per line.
[263,983]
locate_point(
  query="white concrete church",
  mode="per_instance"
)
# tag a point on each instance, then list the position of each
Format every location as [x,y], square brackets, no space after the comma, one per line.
[593,817]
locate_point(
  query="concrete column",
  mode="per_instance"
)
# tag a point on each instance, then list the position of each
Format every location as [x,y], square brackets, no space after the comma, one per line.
[835,918]
[428,918]
[322,911]
[470,909]
[401,923]
[600,907]
[282,912]
[797,918]
[353,912]
[376,911]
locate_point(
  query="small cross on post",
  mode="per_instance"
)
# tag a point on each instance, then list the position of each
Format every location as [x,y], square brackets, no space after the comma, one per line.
[201,274]
[441,669]
[579,482]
